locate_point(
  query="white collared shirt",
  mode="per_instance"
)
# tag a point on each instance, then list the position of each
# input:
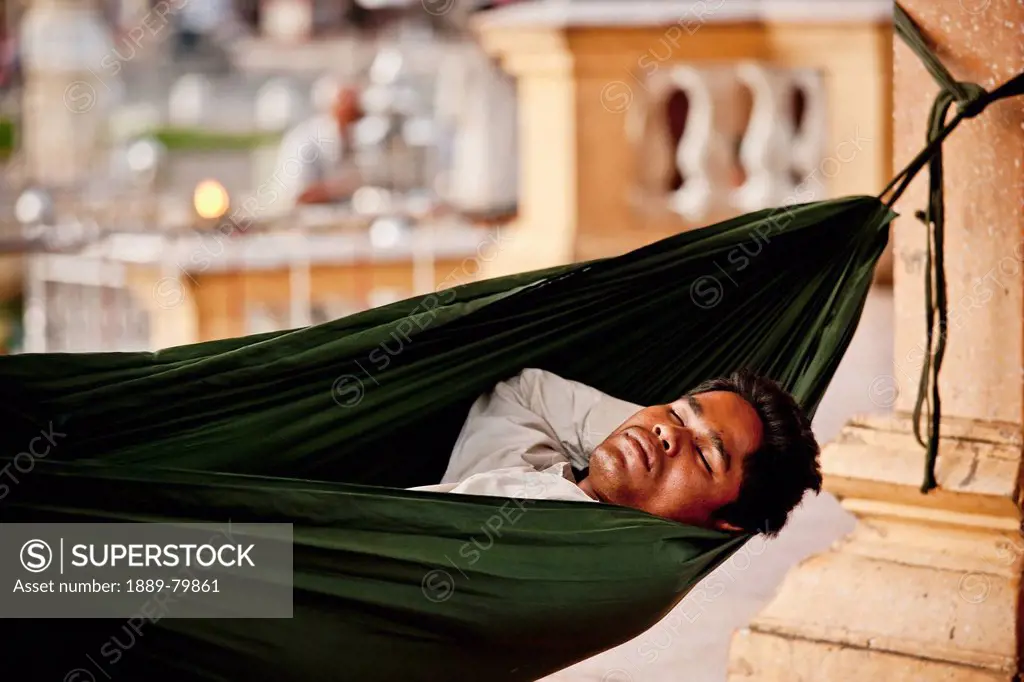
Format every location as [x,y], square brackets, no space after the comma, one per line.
[524,437]
[521,482]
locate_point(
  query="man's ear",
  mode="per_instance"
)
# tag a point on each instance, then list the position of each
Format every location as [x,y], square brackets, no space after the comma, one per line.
[722,524]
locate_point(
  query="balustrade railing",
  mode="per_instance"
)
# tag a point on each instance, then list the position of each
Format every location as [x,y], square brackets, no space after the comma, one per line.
[720,140]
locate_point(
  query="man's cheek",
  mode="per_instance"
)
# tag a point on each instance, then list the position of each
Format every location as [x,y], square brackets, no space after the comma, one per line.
[678,487]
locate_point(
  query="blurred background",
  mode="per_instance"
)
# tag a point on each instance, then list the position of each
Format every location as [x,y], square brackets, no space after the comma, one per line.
[175,171]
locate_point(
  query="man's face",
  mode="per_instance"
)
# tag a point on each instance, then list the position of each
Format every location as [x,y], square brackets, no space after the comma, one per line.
[681,461]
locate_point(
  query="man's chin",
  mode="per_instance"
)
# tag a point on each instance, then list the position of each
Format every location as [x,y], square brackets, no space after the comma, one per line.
[610,474]
[610,461]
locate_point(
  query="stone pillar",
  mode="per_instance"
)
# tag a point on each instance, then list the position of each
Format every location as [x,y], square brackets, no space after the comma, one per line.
[476,101]
[70,81]
[545,228]
[927,587]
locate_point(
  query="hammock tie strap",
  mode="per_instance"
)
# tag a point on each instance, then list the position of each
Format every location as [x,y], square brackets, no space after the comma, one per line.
[971,99]
[975,101]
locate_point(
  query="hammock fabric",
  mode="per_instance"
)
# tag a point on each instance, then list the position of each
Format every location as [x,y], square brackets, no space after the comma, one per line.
[259,428]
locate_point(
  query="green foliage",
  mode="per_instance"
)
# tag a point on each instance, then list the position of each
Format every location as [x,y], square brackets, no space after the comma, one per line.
[8,131]
[197,139]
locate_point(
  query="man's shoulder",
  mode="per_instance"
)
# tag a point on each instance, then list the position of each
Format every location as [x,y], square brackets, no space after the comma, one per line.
[536,372]
[538,376]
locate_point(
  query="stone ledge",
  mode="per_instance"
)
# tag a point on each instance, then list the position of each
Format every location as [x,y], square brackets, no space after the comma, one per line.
[878,458]
[689,13]
[926,586]
[763,657]
[919,612]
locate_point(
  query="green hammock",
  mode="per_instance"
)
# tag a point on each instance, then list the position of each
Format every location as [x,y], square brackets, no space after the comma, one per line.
[257,429]
[323,427]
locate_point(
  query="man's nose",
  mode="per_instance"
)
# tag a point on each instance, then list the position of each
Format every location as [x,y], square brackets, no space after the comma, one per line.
[672,438]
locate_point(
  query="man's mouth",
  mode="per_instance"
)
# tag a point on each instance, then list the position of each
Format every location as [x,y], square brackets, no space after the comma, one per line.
[645,448]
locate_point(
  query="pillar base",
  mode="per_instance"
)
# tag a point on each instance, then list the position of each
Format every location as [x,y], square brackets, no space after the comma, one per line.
[926,587]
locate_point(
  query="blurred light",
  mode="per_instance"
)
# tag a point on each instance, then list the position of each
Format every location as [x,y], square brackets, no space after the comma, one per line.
[418,132]
[276,105]
[386,66]
[381,4]
[188,99]
[371,131]
[406,101]
[377,99]
[144,155]
[386,232]
[211,200]
[370,200]
[34,206]
[419,203]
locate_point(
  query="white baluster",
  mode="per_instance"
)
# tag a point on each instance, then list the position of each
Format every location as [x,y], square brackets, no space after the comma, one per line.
[766,148]
[300,288]
[71,305]
[808,148]
[277,105]
[36,304]
[91,311]
[189,100]
[705,155]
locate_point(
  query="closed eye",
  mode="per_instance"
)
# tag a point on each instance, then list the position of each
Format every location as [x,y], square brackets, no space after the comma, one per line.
[700,452]
[704,459]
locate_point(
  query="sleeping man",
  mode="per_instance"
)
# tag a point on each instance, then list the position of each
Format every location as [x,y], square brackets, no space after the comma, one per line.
[735,454]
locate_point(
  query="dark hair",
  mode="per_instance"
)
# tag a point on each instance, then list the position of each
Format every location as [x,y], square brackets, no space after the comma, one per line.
[777,474]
